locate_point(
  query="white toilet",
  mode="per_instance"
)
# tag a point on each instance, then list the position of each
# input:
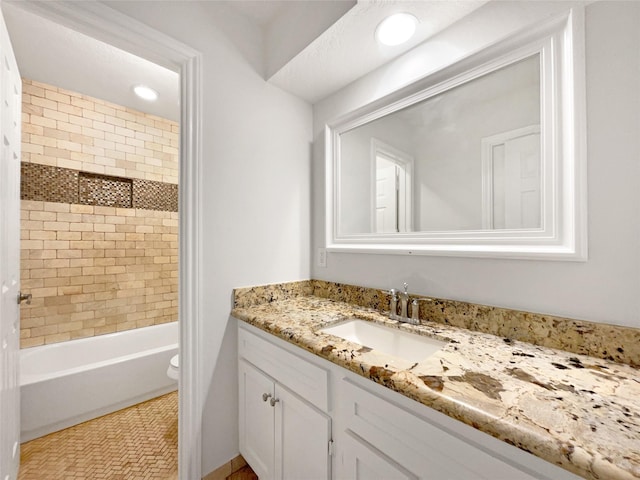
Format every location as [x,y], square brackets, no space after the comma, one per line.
[172,371]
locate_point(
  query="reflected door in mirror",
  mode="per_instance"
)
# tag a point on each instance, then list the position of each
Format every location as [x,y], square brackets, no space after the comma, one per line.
[393,202]
[386,196]
[511,180]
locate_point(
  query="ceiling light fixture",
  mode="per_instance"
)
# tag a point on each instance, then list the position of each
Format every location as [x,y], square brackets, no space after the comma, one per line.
[146,93]
[396,29]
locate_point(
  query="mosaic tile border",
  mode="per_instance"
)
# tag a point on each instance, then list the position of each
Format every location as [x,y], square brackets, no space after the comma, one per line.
[43,182]
[152,195]
[104,191]
[63,185]
[600,340]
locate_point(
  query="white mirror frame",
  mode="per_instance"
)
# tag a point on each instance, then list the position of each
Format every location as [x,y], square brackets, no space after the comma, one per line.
[563,234]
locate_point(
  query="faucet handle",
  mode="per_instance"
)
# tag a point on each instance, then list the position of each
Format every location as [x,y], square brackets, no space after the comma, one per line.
[415,311]
[406,286]
[393,304]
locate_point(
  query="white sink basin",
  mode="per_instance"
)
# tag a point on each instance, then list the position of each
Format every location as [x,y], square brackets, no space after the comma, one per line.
[409,346]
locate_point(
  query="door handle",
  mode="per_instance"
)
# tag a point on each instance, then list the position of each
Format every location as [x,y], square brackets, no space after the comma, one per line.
[24,297]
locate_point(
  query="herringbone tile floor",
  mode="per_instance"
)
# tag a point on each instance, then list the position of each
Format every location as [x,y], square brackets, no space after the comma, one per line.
[245,473]
[137,443]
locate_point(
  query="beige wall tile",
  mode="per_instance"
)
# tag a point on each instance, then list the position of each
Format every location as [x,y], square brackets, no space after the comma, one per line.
[79,131]
[93,270]
[94,279]
[58,97]
[66,127]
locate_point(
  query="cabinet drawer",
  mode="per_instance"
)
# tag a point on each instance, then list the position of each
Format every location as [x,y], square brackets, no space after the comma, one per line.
[365,462]
[307,380]
[424,449]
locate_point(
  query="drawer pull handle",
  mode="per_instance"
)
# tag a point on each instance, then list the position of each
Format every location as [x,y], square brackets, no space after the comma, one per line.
[265,397]
[273,401]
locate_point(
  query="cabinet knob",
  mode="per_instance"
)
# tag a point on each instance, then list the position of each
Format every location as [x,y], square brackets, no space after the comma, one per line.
[273,401]
[265,397]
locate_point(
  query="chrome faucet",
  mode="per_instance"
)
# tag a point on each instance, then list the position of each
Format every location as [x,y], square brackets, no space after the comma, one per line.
[404,307]
[393,304]
[404,302]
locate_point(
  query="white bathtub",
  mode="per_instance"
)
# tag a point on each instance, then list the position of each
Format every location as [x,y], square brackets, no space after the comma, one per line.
[67,383]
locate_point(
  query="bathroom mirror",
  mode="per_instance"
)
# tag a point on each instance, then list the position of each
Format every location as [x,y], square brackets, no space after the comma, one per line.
[482,158]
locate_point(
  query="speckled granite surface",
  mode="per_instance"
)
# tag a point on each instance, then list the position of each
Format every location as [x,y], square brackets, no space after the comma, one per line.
[579,412]
[609,342]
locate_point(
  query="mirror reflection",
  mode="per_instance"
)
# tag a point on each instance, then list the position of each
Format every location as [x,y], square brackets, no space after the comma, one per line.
[468,158]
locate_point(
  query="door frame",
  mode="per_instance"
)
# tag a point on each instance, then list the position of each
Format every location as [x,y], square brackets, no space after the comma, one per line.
[407,163]
[110,26]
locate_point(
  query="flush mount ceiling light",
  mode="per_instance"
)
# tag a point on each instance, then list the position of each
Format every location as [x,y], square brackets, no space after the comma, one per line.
[146,93]
[396,29]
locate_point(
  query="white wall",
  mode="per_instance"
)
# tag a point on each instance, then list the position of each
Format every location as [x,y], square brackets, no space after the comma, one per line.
[256,143]
[603,289]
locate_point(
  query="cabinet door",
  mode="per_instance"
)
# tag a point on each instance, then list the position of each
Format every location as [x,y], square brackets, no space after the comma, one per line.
[362,461]
[256,420]
[302,438]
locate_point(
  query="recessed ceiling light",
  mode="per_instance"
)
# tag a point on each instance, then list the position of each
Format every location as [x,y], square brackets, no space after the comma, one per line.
[396,29]
[146,93]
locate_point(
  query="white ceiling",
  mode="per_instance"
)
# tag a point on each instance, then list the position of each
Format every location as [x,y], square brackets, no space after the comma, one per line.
[348,50]
[262,12]
[340,53]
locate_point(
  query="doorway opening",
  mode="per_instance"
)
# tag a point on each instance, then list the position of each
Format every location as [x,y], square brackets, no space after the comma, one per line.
[99,21]
[99,201]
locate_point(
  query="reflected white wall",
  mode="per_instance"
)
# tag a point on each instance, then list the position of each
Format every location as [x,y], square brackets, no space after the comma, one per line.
[448,146]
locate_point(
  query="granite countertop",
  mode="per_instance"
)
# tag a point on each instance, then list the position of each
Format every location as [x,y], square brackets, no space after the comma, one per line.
[579,412]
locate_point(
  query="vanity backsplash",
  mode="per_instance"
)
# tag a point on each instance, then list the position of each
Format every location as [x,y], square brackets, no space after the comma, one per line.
[600,340]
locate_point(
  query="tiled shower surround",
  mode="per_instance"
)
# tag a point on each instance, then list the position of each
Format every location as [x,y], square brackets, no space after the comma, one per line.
[99,217]
[69,130]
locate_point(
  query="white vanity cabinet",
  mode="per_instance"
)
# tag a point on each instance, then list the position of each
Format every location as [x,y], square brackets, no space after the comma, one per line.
[283,433]
[384,441]
[378,433]
[257,425]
